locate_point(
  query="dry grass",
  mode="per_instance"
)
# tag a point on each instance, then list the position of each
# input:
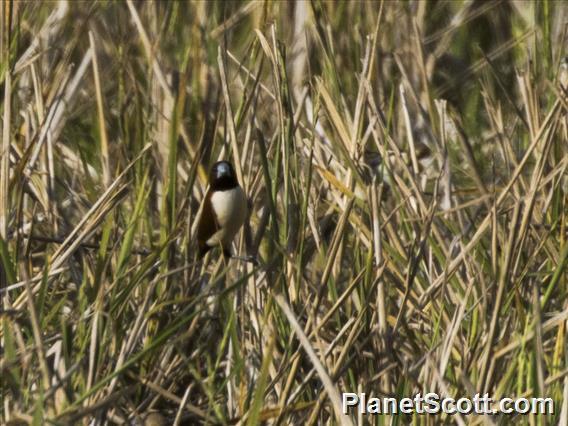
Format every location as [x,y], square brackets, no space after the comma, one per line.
[406,165]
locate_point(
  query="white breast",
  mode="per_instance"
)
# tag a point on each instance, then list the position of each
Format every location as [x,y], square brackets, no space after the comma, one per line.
[230,208]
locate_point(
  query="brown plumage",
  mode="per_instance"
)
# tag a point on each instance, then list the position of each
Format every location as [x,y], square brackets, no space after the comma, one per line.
[208,225]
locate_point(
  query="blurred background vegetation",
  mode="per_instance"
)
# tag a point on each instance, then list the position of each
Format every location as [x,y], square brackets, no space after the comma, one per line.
[405,164]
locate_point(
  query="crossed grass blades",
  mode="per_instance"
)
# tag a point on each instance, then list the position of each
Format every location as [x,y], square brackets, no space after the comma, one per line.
[406,166]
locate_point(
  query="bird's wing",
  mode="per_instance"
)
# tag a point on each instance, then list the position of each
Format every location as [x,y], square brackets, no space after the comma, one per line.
[208,224]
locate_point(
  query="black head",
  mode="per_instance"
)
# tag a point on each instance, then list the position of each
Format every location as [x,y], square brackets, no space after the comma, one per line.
[223,176]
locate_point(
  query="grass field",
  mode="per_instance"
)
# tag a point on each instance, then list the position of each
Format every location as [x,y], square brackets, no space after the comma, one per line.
[407,172]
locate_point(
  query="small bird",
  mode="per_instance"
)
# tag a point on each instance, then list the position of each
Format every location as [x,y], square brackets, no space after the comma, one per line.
[563,73]
[224,210]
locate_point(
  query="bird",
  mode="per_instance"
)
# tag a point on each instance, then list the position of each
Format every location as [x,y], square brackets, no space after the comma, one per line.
[224,210]
[154,419]
[563,73]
